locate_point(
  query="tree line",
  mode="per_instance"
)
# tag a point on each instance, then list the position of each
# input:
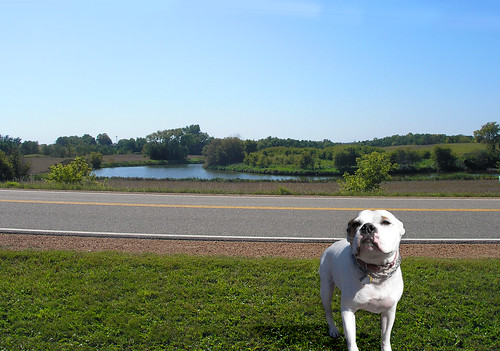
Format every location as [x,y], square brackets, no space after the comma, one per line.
[173,143]
[280,155]
[344,159]
[162,145]
[177,144]
[418,139]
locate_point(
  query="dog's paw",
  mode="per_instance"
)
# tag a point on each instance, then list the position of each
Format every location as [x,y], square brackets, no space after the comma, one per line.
[334,332]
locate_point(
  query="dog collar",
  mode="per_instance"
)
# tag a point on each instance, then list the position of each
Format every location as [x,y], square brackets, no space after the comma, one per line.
[376,273]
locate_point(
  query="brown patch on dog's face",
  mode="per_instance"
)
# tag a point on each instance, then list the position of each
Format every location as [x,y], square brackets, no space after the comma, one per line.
[352,227]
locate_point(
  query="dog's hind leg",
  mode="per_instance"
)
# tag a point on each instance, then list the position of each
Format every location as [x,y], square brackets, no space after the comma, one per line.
[326,290]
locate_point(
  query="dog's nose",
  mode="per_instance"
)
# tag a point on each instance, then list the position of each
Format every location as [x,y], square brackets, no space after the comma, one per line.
[368,228]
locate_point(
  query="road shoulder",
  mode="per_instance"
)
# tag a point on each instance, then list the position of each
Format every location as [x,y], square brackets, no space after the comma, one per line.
[226,248]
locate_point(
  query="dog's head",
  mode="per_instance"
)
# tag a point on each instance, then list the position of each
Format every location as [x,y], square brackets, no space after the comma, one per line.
[374,235]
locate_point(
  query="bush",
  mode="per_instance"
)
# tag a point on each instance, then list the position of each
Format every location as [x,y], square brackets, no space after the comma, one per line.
[95,160]
[21,169]
[345,160]
[6,169]
[479,160]
[373,169]
[78,171]
[407,159]
[445,159]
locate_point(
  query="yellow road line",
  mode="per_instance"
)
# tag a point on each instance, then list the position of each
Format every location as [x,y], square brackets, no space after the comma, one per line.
[252,207]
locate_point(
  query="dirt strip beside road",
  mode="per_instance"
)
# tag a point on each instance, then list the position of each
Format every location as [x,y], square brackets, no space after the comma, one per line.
[226,248]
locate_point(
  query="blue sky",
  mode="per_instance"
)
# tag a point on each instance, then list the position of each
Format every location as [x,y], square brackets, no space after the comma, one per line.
[303,69]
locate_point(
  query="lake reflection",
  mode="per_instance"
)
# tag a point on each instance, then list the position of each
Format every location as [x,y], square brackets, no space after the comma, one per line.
[185,171]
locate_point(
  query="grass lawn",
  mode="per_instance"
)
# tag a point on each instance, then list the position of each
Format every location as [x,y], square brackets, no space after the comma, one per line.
[113,301]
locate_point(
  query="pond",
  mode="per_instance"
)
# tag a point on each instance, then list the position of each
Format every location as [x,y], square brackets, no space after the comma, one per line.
[188,171]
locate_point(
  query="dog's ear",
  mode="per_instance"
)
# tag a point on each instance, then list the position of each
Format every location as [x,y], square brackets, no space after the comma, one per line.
[401,227]
[352,226]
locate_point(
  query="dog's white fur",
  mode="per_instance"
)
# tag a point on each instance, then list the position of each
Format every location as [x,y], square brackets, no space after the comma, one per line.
[372,238]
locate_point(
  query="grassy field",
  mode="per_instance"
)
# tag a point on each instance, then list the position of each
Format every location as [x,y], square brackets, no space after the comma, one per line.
[435,188]
[459,149]
[110,301]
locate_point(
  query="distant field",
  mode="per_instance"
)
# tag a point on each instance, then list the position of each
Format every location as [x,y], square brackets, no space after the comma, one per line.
[458,149]
[41,164]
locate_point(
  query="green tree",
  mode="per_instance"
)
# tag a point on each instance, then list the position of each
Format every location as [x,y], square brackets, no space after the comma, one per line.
[20,168]
[373,169]
[307,159]
[77,172]
[406,159]
[345,160]
[95,160]
[490,135]
[445,159]
[345,156]
[6,169]
[222,152]
[479,160]
[250,146]
[88,139]
[9,144]
[128,146]
[194,139]
[166,145]
[104,139]
[30,148]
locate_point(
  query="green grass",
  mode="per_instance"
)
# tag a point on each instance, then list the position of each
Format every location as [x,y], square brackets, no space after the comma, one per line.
[114,301]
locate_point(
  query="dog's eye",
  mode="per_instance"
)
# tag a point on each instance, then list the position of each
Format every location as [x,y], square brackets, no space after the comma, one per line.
[355,224]
[385,222]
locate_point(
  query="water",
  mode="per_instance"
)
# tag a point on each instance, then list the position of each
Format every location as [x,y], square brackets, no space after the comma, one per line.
[188,171]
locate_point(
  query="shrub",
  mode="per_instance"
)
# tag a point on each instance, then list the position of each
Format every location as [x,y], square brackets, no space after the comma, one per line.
[446,160]
[345,160]
[95,159]
[12,167]
[479,160]
[373,169]
[6,169]
[78,171]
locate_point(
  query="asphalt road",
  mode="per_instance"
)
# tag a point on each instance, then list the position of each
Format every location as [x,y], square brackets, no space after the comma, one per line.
[238,217]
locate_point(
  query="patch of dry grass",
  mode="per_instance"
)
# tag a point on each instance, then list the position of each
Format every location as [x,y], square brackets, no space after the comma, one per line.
[436,187]
[486,187]
[41,164]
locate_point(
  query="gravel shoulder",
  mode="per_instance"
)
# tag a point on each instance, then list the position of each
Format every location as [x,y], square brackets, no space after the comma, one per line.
[226,248]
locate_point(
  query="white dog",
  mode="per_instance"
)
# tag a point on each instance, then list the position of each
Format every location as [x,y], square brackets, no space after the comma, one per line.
[365,267]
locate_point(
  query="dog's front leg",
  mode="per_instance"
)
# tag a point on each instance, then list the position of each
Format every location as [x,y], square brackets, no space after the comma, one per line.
[349,322]
[387,321]
[327,288]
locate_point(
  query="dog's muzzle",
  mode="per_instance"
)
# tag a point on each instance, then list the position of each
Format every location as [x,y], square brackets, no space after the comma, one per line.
[368,229]
[367,232]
